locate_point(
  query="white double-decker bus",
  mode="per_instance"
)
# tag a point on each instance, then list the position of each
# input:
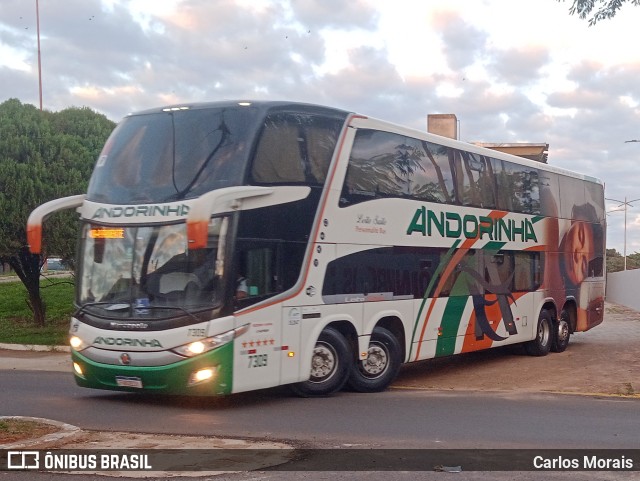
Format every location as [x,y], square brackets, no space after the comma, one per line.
[234,246]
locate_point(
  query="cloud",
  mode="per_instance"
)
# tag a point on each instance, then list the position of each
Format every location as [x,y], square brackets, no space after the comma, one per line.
[518,66]
[463,43]
[20,84]
[337,14]
[579,98]
[506,81]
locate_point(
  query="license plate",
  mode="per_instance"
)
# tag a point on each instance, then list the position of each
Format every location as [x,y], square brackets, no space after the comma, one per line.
[124,381]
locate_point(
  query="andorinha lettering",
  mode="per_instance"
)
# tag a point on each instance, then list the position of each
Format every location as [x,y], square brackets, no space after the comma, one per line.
[454,225]
[167,210]
[124,341]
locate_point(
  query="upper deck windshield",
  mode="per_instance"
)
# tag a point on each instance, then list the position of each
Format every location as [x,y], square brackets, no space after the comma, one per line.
[173,155]
[148,271]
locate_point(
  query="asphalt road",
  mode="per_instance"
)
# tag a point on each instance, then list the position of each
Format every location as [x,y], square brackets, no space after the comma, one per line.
[398,418]
[405,416]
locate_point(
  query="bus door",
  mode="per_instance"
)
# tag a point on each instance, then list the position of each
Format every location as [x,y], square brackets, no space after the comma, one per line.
[258,352]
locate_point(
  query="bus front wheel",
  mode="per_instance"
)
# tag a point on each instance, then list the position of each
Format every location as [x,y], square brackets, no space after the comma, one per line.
[541,345]
[381,366]
[329,366]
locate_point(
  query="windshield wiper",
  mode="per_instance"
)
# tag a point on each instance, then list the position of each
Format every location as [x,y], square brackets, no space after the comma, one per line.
[188,313]
[114,306]
[122,306]
[117,307]
[224,133]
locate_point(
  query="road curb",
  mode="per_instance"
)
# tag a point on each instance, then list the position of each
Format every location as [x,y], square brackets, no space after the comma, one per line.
[64,432]
[34,348]
[242,455]
[501,391]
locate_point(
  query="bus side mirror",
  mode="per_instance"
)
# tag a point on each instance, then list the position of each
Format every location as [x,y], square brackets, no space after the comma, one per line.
[231,199]
[40,213]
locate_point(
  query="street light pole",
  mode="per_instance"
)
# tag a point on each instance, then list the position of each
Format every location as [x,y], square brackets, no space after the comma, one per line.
[39,58]
[624,203]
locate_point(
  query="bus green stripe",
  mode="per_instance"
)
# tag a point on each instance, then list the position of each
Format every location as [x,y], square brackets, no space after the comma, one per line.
[493,246]
[434,279]
[450,324]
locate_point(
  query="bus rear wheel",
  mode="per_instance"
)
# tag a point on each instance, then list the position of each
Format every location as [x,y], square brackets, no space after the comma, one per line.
[381,366]
[541,345]
[329,366]
[562,332]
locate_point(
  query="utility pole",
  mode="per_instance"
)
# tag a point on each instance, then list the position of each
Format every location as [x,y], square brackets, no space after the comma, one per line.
[626,203]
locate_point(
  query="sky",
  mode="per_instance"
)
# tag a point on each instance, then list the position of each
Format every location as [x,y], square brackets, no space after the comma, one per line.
[510,70]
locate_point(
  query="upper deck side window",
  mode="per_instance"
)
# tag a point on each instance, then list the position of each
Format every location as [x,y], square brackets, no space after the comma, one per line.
[295,148]
[383,164]
[518,187]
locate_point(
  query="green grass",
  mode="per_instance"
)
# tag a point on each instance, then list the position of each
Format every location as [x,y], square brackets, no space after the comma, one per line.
[16,320]
[12,430]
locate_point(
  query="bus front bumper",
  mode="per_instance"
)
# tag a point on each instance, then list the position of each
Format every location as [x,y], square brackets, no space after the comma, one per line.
[207,374]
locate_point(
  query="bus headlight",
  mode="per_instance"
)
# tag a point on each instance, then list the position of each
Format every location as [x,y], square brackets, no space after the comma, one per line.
[210,343]
[197,347]
[77,343]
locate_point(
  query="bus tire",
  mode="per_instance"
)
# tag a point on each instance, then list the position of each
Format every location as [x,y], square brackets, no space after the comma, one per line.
[562,332]
[541,345]
[329,366]
[381,367]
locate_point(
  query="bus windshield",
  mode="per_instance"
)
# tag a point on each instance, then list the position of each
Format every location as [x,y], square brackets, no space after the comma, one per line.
[174,155]
[134,271]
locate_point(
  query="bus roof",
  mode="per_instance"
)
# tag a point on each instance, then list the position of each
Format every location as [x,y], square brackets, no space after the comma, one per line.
[261,105]
[270,105]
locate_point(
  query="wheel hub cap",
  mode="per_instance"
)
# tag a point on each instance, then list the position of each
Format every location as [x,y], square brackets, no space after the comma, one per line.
[376,361]
[322,363]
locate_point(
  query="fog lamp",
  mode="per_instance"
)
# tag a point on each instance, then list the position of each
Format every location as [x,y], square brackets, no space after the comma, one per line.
[78,369]
[202,375]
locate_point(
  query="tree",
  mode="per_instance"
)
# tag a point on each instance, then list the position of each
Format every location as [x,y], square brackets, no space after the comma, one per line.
[633,261]
[608,9]
[615,261]
[43,156]
[406,161]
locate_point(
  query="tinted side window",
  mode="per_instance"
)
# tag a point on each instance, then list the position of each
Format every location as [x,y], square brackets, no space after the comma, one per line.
[384,164]
[398,272]
[594,194]
[514,270]
[417,272]
[572,195]
[270,248]
[476,180]
[518,187]
[527,271]
[295,148]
